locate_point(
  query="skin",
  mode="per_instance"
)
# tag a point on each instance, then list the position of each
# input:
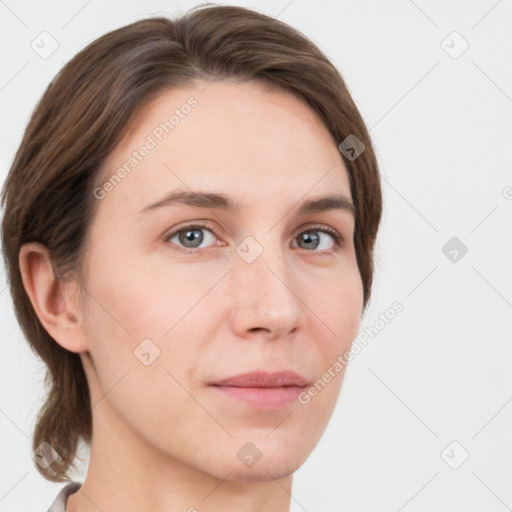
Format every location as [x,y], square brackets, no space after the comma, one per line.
[163,438]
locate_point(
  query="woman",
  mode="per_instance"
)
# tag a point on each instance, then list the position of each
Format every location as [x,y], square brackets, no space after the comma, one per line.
[189,229]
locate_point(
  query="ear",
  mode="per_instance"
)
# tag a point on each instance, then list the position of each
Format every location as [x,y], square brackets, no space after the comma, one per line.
[52,300]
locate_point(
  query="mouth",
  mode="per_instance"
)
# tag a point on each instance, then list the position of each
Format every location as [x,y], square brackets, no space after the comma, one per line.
[262,390]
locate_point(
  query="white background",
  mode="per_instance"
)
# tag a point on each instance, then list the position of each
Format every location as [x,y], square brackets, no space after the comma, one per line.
[441,370]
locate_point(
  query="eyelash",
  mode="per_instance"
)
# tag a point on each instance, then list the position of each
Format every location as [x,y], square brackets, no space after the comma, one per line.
[338,239]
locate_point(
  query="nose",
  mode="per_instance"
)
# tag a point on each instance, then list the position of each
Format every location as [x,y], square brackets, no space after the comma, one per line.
[265,299]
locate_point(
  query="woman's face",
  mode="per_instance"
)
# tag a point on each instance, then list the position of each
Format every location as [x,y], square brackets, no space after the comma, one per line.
[260,287]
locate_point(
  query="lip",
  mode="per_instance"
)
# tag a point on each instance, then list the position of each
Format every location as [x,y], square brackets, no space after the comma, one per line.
[263,390]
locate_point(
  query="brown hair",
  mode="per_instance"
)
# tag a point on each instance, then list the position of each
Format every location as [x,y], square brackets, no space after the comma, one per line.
[82,116]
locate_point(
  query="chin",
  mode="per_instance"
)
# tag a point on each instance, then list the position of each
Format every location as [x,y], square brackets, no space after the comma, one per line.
[266,469]
[261,474]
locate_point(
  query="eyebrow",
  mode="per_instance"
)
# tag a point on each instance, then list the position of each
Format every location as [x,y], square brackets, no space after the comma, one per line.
[218,201]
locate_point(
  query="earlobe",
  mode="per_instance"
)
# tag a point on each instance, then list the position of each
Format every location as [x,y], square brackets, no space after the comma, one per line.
[53,307]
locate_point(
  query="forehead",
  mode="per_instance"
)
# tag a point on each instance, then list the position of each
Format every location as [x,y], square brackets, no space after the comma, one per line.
[245,139]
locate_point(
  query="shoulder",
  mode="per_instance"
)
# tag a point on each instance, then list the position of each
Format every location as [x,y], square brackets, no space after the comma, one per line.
[59,503]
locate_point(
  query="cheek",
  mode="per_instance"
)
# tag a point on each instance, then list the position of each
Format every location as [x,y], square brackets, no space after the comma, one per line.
[146,297]
[150,311]
[144,336]
[338,303]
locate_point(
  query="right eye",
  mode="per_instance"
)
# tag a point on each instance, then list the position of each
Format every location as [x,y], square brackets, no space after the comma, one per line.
[192,237]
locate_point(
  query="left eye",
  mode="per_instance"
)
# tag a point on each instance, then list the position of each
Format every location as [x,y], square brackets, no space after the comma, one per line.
[316,239]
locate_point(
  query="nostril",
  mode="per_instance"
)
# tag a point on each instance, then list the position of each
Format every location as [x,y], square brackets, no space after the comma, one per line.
[256,329]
